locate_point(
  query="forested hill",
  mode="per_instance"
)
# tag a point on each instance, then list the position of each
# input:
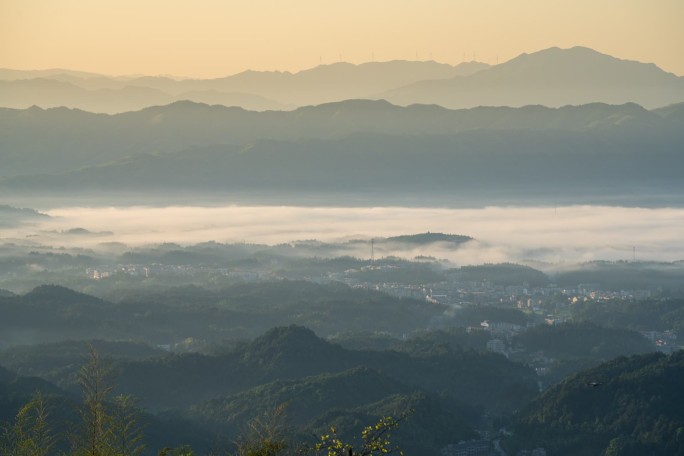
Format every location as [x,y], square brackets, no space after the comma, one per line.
[289,353]
[428,238]
[628,406]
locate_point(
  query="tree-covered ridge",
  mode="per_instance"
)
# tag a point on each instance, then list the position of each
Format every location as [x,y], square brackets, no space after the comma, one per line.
[616,275]
[348,400]
[642,315]
[243,310]
[501,274]
[583,340]
[479,379]
[628,406]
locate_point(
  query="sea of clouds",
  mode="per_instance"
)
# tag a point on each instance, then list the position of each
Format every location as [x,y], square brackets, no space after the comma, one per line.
[549,234]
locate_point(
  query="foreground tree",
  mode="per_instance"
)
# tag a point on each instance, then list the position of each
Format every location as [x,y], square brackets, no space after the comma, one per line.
[94,437]
[126,427]
[266,435]
[375,440]
[29,434]
[109,426]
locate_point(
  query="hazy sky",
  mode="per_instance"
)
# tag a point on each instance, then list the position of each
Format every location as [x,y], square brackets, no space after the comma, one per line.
[210,38]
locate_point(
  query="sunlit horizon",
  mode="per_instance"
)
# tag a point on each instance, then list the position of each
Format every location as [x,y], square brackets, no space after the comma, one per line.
[210,39]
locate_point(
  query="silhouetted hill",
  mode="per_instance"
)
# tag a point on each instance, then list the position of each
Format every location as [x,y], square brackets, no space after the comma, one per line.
[15,391]
[428,238]
[551,77]
[284,351]
[634,410]
[6,293]
[674,112]
[55,295]
[50,93]
[12,216]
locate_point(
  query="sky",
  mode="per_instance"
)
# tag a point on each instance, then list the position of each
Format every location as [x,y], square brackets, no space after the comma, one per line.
[213,38]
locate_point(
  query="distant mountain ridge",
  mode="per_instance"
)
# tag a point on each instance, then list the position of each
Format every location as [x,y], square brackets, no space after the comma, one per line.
[254,90]
[551,77]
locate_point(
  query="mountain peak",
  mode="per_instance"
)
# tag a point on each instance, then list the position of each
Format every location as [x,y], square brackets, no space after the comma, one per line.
[551,77]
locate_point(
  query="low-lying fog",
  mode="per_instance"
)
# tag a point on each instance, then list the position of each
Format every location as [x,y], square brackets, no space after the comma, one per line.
[550,234]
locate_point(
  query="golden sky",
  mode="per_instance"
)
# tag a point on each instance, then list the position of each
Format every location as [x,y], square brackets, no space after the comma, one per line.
[212,38]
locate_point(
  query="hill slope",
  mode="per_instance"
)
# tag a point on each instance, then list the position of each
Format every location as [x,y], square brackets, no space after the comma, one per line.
[635,410]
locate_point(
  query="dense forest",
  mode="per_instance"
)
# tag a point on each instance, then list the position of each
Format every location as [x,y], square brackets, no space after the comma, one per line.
[627,406]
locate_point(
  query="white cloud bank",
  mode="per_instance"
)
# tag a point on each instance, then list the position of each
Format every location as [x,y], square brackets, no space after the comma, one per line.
[562,234]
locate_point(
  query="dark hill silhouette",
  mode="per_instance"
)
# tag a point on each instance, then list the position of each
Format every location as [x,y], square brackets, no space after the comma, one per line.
[13,216]
[57,295]
[284,351]
[428,238]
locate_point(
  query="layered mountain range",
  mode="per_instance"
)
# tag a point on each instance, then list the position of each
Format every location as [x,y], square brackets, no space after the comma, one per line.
[576,123]
[552,77]
[351,147]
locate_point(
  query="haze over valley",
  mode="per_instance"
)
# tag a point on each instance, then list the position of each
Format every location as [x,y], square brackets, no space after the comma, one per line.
[264,229]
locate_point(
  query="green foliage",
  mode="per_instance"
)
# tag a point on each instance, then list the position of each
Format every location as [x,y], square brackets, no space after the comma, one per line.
[109,426]
[30,433]
[183,450]
[95,435]
[435,421]
[375,440]
[127,426]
